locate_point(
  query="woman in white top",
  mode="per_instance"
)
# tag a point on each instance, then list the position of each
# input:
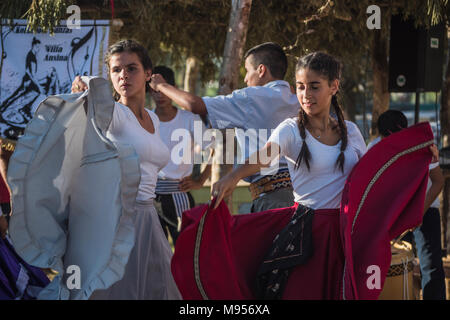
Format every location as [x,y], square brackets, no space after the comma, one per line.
[181,132]
[147,274]
[321,150]
[298,252]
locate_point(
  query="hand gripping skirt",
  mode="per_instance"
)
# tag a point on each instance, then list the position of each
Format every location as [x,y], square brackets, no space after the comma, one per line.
[147,274]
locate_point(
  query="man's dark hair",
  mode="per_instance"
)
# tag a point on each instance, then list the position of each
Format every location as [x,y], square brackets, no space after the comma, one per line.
[272,56]
[166,73]
[391,121]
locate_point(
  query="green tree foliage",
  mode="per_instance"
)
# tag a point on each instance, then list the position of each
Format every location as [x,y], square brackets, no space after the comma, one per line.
[198,28]
[181,29]
[175,29]
[42,15]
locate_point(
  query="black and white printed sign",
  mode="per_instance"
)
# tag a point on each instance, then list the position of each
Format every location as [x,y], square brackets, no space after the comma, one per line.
[35,66]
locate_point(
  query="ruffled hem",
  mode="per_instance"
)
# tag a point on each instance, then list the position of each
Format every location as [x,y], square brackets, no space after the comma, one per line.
[25,242]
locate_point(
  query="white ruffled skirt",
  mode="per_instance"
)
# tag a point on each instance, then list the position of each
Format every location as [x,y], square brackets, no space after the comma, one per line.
[147,274]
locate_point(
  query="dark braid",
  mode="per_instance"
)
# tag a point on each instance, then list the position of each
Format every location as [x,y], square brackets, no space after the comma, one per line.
[343,131]
[330,68]
[304,151]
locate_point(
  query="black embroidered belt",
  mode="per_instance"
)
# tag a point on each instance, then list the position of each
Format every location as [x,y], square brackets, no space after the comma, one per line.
[270,183]
[8,145]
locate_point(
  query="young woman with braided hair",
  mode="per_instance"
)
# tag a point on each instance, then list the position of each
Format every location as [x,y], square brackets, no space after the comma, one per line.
[317,249]
[320,146]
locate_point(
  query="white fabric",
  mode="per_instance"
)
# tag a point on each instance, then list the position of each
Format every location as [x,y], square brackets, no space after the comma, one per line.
[153,153]
[373,142]
[178,135]
[147,275]
[258,107]
[322,186]
[74,193]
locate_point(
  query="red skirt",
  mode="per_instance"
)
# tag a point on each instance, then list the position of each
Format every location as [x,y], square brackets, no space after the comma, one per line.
[217,254]
[230,249]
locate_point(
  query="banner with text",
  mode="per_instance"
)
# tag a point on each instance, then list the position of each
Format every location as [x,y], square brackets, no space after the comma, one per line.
[35,66]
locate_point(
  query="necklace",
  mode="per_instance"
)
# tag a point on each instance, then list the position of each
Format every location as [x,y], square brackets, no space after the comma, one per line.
[320,132]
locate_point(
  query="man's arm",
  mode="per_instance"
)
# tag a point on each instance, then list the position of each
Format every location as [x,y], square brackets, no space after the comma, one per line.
[437,183]
[184,99]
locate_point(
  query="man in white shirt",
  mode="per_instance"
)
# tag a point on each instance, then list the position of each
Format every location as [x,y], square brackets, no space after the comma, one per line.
[262,105]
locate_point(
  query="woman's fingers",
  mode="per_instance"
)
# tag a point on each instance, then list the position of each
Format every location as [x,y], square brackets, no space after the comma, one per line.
[217,193]
[219,198]
[221,189]
[78,85]
[185,186]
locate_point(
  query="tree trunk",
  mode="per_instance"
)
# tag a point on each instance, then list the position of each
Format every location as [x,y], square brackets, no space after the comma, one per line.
[229,76]
[445,133]
[234,45]
[349,101]
[380,79]
[190,85]
[191,75]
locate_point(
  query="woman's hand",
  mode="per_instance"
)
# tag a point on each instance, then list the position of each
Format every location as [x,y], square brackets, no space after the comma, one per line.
[78,85]
[434,150]
[188,183]
[223,188]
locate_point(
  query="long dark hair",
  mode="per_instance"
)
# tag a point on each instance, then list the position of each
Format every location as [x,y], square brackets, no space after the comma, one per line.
[129,46]
[330,68]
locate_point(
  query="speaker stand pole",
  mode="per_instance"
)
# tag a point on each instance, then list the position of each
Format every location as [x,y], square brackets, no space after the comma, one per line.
[416,109]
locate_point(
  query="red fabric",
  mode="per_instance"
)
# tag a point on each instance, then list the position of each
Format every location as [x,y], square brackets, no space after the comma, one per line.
[4,193]
[226,270]
[394,204]
[233,246]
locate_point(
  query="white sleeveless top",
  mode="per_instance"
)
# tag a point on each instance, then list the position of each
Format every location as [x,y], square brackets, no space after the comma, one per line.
[153,153]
